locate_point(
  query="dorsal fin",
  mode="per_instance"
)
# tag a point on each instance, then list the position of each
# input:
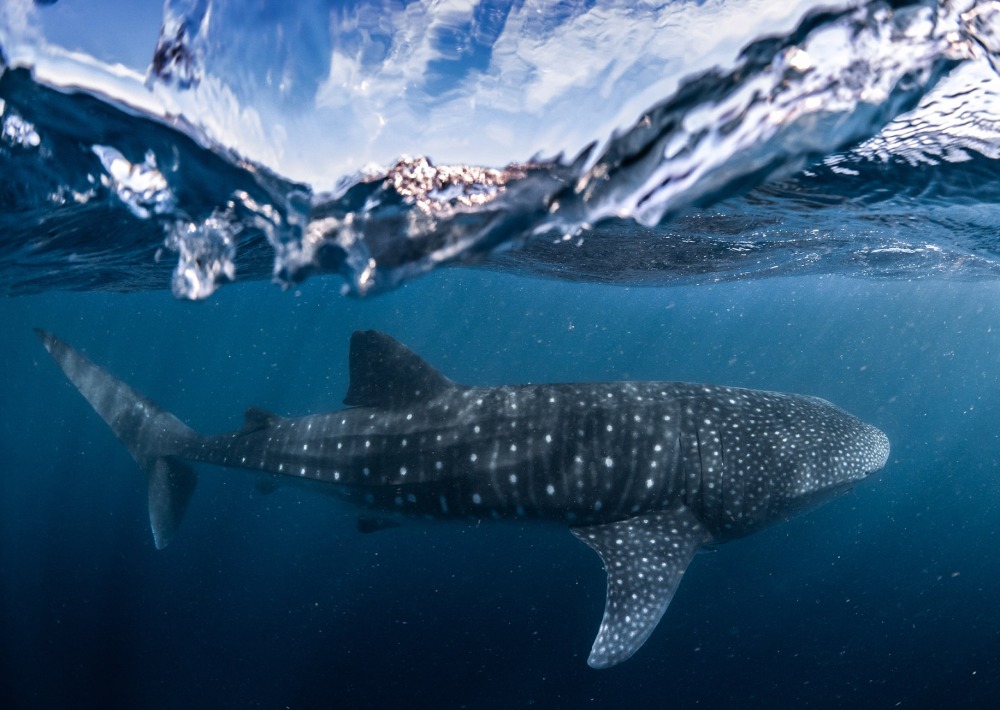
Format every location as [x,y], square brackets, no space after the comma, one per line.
[255,418]
[386,373]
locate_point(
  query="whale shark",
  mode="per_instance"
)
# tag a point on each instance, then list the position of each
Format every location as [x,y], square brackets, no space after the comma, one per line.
[645,473]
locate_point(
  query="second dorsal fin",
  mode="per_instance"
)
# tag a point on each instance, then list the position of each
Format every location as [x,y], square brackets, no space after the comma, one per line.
[255,419]
[386,373]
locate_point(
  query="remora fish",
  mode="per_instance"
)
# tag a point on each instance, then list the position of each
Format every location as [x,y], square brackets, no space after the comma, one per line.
[645,473]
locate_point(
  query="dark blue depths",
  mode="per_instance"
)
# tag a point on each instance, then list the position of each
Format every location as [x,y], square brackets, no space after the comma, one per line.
[886,595]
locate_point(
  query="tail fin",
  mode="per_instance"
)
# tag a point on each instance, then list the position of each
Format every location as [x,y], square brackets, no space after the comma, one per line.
[152,435]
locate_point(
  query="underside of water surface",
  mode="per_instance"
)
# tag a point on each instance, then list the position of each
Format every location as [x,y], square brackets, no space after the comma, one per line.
[608,142]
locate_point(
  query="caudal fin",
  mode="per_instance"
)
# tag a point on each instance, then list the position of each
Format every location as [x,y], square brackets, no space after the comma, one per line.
[152,435]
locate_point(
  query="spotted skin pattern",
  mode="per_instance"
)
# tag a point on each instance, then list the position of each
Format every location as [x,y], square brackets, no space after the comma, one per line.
[645,473]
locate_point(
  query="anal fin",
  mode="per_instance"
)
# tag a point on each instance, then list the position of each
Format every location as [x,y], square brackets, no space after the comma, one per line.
[266,486]
[645,558]
[368,524]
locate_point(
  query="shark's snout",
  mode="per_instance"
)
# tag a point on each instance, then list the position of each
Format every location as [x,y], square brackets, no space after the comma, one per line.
[877,446]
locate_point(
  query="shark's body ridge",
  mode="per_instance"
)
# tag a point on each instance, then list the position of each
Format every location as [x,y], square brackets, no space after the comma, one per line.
[645,473]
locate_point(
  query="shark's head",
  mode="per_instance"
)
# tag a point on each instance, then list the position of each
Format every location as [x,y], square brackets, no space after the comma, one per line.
[835,450]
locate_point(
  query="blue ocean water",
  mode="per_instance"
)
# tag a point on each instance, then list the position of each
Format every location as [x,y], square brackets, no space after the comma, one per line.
[802,199]
[883,597]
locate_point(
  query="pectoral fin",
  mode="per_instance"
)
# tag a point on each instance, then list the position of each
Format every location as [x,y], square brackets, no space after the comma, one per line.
[645,558]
